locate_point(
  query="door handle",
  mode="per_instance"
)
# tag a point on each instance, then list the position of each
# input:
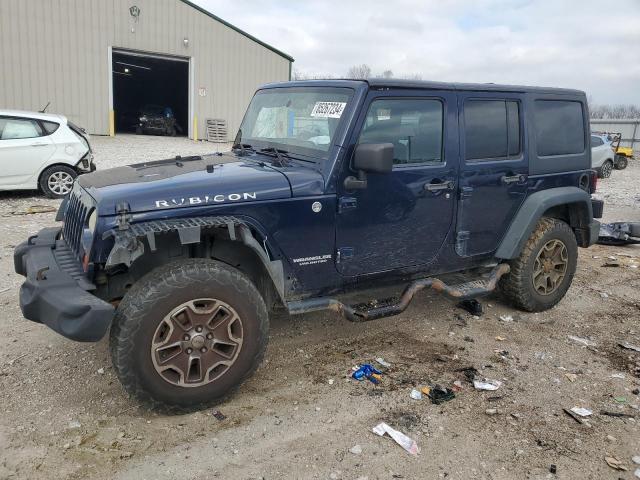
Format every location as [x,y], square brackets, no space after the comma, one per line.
[434,187]
[507,179]
[39,144]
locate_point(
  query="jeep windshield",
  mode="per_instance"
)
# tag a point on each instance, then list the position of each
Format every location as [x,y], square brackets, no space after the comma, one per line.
[299,121]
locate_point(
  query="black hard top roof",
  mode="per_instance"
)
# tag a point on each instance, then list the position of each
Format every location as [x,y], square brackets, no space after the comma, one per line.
[378,83]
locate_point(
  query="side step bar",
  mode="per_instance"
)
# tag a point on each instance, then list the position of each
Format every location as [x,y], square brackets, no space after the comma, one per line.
[464,291]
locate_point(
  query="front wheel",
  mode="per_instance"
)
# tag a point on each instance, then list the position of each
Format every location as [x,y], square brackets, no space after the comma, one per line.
[188,334]
[542,274]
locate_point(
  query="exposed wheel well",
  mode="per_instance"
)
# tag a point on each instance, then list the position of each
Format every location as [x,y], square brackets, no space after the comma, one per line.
[576,215]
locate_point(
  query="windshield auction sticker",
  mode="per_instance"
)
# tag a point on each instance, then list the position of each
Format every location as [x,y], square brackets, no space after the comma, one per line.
[328,109]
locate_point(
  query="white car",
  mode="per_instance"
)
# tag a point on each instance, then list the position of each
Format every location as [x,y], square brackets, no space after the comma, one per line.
[41,151]
[602,155]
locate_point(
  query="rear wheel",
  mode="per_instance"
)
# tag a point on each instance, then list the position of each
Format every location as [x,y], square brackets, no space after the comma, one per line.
[188,334]
[57,181]
[606,169]
[542,274]
[621,162]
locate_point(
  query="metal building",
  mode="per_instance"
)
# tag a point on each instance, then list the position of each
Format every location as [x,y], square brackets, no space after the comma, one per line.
[98,61]
[628,128]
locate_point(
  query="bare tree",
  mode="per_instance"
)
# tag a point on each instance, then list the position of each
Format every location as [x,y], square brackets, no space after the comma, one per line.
[614,111]
[298,75]
[387,74]
[359,72]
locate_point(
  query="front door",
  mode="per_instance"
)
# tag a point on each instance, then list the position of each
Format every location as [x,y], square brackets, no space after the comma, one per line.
[493,171]
[401,219]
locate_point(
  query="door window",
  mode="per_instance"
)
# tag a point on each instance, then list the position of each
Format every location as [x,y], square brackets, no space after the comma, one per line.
[413,126]
[491,129]
[596,141]
[559,127]
[15,128]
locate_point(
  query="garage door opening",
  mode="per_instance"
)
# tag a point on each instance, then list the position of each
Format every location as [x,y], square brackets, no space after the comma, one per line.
[150,93]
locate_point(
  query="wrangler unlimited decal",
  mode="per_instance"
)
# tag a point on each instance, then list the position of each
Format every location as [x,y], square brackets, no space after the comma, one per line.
[197,200]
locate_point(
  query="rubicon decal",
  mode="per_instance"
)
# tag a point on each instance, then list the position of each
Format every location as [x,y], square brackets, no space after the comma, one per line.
[200,200]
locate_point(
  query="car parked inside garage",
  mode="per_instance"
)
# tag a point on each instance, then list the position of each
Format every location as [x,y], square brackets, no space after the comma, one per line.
[42,151]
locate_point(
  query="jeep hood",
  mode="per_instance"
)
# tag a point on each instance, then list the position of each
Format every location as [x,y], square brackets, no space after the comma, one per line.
[189,182]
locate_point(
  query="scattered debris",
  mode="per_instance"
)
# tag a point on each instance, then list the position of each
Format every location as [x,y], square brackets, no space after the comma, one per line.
[604,295]
[416,394]
[629,346]
[618,375]
[636,459]
[356,449]
[500,339]
[469,339]
[611,263]
[619,233]
[506,318]
[440,395]
[469,372]
[473,306]
[487,384]
[101,371]
[616,464]
[426,390]
[583,412]
[369,372]
[573,415]
[457,386]
[637,473]
[616,414]
[400,438]
[553,469]
[620,399]
[74,424]
[382,362]
[218,415]
[330,381]
[491,411]
[35,209]
[571,376]
[583,341]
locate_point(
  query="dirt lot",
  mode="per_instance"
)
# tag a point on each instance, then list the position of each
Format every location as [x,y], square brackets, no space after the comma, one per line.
[66,416]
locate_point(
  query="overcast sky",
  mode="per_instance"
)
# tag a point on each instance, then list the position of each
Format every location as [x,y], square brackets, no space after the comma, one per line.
[585,44]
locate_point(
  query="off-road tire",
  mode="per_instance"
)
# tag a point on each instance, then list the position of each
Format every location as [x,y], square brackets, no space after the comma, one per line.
[145,305]
[61,170]
[606,169]
[518,285]
[621,162]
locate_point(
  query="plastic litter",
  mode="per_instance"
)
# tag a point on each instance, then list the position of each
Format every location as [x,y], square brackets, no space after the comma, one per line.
[506,318]
[416,394]
[440,395]
[584,341]
[636,459]
[400,438]
[618,375]
[572,377]
[369,372]
[382,362]
[487,384]
[583,412]
[637,473]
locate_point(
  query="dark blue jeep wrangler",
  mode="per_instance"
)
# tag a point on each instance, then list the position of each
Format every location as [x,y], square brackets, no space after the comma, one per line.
[331,186]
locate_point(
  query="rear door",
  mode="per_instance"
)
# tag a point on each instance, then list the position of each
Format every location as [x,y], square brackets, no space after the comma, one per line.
[494,168]
[401,219]
[23,150]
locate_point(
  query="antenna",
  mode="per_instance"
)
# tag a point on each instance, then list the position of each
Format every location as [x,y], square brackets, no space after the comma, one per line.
[45,107]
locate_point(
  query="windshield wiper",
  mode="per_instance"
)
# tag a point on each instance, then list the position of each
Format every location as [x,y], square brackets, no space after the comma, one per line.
[280,155]
[243,147]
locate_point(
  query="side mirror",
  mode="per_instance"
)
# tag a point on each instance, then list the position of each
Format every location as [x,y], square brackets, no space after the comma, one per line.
[372,158]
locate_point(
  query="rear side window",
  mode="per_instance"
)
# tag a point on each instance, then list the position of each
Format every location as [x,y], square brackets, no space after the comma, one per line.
[596,141]
[559,127]
[16,128]
[492,129]
[50,127]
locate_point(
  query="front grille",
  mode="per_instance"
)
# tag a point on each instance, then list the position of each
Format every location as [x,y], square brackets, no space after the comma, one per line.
[78,207]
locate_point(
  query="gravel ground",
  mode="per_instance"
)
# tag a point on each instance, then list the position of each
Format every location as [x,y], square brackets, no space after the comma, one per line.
[67,417]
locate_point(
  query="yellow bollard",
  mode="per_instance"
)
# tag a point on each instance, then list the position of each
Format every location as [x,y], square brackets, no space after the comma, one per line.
[195,128]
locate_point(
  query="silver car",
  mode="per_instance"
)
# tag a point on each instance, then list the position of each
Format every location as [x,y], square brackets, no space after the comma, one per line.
[602,155]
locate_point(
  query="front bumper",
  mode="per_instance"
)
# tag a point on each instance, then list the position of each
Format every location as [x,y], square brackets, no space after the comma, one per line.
[55,291]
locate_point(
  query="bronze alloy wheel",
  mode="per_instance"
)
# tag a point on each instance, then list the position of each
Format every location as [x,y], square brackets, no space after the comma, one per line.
[197,342]
[550,267]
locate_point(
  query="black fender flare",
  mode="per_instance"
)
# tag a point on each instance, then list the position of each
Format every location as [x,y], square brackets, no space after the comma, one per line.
[533,209]
[128,244]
